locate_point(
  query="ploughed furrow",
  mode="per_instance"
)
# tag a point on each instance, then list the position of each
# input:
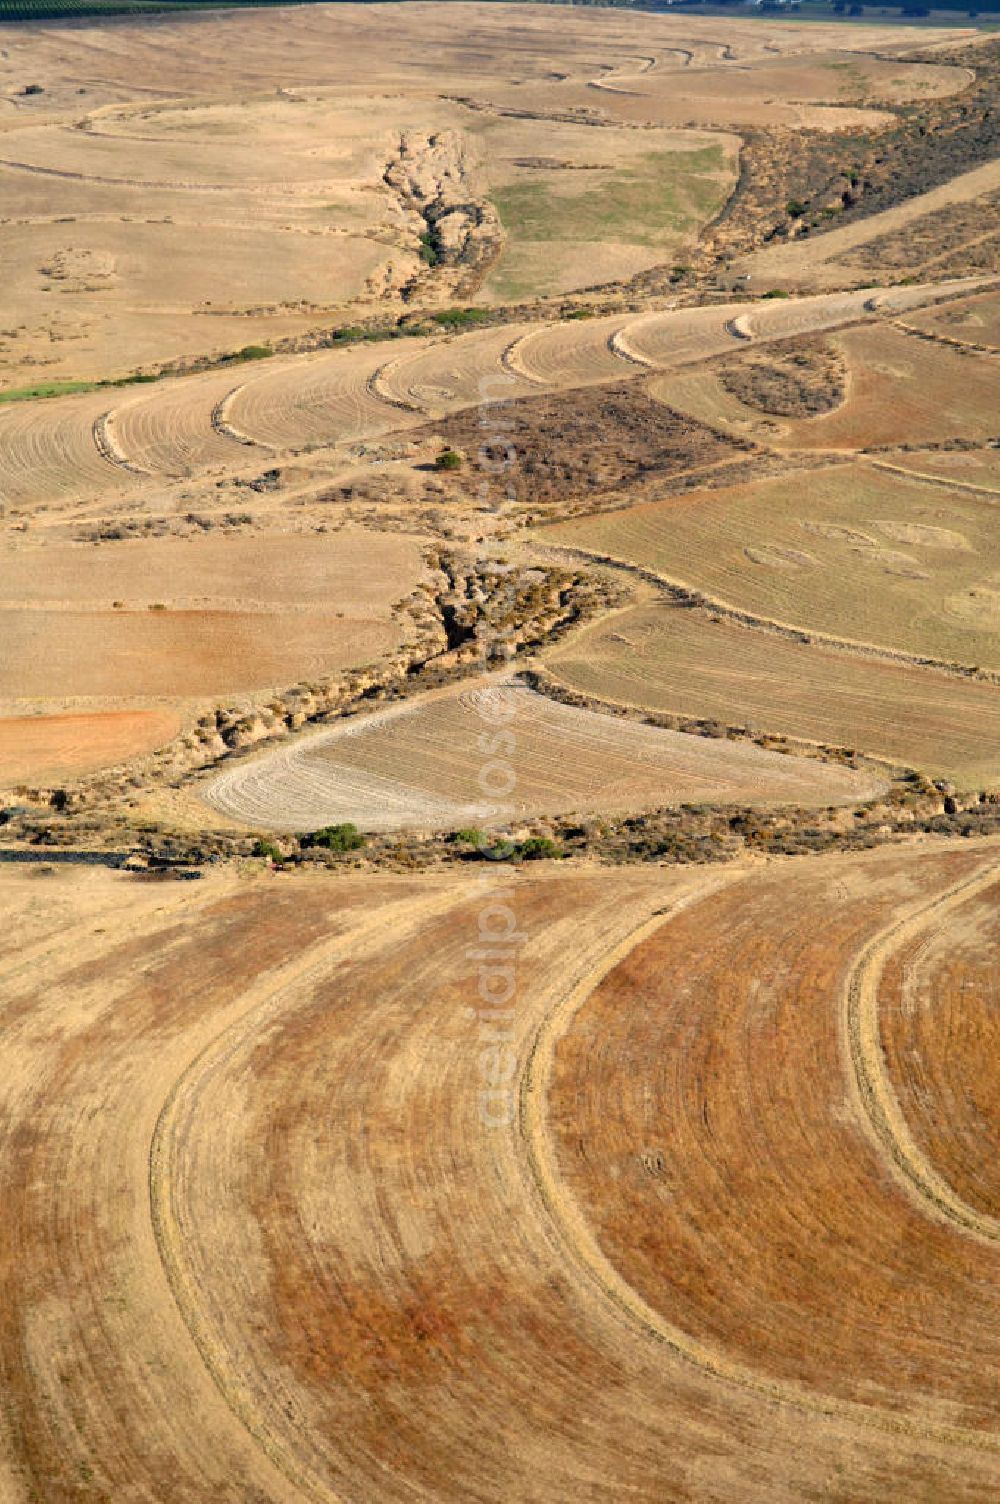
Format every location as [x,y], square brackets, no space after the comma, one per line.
[940,1033]
[423,764]
[318,399]
[570,354]
[47,450]
[467,371]
[171,430]
[709,1138]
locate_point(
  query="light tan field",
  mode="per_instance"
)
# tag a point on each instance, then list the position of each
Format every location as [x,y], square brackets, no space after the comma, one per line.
[137,156]
[666,658]
[39,748]
[974,321]
[237,613]
[659,1168]
[443,764]
[900,390]
[291,1258]
[851,551]
[80,447]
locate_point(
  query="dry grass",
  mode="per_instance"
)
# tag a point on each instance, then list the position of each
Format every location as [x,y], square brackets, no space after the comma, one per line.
[854,552]
[975,321]
[668,659]
[434,764]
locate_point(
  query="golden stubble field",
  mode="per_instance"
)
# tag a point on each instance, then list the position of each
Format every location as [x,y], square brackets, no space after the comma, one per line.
[297,1254]
[853,552]
[670,659]
[195,185]
[123,641]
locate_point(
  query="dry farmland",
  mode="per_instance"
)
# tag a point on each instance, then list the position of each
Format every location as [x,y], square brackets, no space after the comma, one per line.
[684,1199]
[664,658]
[857,553]
[899,389]
[196,617]
[423,765]
[499,756]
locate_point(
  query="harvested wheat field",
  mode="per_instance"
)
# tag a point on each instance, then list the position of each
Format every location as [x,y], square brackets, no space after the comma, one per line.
[649,1221]
[499,773]
[850,551]
[41,747]
[666,658]
[840,1280]
[898,389]
[936,1001]
[972,321]
[200,616]
[428,765]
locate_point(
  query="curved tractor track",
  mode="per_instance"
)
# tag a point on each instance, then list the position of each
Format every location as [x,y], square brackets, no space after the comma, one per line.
[296,1256]
[48,449]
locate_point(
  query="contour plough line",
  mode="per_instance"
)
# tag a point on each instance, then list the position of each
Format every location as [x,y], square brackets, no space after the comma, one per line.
[880,1106]
[277,992]
[583,1251]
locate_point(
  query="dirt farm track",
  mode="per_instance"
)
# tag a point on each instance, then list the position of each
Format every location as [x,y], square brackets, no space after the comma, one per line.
[291,1259]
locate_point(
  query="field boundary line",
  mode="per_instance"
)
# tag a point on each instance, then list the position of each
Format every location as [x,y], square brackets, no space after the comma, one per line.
[280,987]
[690,595]
[510,357]
[617,343]
[220,421]
[375,386]
[108,448]
[583,1248]
[936,480]
[876,1094]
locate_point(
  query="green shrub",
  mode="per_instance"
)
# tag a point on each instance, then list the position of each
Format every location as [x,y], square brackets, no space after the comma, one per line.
[468,837]
[777,292]
[269,850]
[448,459]
[428,249]
[795,208]
[537,848]
[452,318]
[344,837]
[253,352]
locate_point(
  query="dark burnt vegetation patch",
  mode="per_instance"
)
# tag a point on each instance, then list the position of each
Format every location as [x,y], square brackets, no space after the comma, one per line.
[576,447]
[800,378]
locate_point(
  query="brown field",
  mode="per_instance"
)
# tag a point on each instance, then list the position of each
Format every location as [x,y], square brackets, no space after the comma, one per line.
[656,1164]
[855,552]
[290,1259]
[420,765]
[665,658]
[37,748]
[978,469]
[937,1010]
[900,390]
[974,321]
[833,1275]
[239,612]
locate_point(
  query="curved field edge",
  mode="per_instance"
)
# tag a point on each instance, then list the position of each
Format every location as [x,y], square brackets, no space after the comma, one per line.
[582,1245]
